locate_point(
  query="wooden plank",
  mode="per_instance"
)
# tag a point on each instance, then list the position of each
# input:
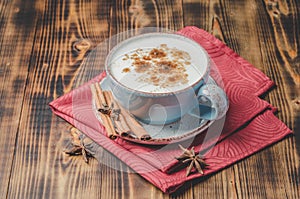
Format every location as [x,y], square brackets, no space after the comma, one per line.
[137,14]
[16,46]
[66,31]
[249,28]
[205,15]
[282,52]
[197,13]
[133,15]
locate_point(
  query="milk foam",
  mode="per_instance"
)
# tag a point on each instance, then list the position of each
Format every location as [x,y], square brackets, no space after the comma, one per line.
[158,65]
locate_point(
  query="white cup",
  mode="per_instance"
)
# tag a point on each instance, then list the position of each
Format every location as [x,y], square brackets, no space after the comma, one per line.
[161,102]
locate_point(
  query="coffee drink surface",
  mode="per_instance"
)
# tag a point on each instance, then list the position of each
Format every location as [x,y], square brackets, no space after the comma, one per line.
[161,68]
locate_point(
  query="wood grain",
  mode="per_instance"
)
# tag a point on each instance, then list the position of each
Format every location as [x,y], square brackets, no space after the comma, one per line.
[50,47]
[15,51]
[40,168]
[242,16]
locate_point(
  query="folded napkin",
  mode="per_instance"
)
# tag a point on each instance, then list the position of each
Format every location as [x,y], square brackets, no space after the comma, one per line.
[250,124]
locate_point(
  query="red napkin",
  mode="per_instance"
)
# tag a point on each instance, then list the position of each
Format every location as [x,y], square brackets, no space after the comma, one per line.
[250,124]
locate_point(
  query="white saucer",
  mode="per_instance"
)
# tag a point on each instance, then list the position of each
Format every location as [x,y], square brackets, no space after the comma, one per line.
[185,128]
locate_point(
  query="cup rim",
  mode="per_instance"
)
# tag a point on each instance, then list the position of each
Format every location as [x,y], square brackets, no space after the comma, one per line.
[145,93]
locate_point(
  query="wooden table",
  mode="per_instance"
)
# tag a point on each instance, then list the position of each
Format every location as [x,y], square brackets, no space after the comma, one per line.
[43,47]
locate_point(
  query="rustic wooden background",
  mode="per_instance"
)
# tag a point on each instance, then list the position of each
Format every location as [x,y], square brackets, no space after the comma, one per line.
[43,45]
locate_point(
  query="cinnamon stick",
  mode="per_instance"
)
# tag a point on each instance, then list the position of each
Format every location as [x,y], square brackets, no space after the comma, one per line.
[120,122]
[100,94]
[95,97]
[135,126]
[136,129]
[106,121]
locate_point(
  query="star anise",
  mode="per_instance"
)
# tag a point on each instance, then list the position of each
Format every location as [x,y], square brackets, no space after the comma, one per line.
[78,146]
[195,160]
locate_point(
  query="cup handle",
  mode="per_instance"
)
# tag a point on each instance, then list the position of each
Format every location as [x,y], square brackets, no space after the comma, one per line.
[212,103]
